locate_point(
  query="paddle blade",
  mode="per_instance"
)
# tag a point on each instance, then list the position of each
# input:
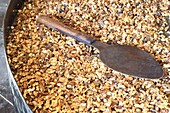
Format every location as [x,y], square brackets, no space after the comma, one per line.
[131,60]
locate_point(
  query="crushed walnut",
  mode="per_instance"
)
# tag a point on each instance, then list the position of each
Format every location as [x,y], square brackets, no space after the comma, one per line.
[56,73]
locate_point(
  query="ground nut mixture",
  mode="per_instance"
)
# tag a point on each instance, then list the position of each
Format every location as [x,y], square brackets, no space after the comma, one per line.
[55,73]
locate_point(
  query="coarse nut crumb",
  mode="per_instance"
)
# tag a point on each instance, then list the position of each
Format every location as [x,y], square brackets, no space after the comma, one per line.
[55,73]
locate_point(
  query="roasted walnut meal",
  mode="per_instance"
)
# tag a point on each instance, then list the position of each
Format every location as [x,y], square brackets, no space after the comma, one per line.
[56,73]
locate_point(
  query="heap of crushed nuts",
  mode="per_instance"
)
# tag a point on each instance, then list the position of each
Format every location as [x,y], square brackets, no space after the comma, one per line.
[55,73]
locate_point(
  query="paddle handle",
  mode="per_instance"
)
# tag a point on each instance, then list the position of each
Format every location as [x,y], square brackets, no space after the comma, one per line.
[55,24]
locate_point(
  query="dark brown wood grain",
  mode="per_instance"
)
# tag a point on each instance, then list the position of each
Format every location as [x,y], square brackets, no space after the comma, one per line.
[55,24]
